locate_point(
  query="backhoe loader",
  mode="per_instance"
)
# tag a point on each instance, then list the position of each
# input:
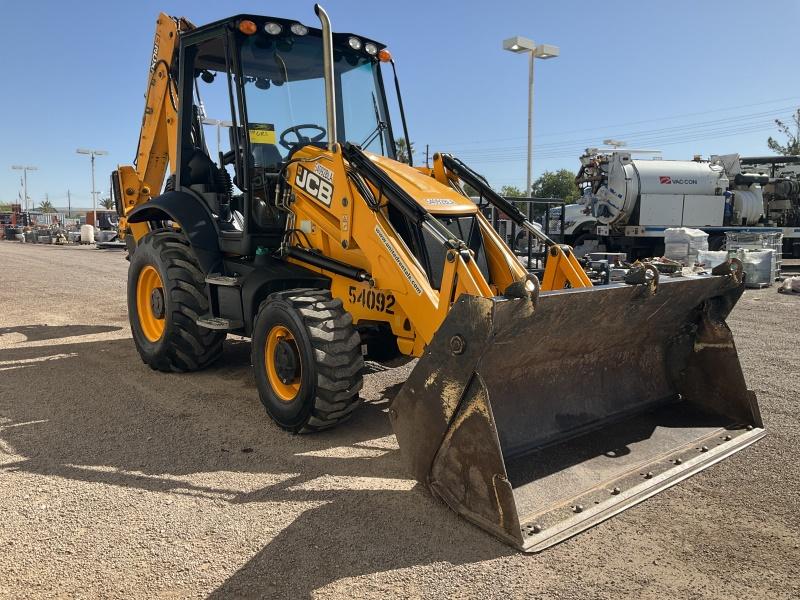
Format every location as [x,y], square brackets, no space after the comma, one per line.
[535,410]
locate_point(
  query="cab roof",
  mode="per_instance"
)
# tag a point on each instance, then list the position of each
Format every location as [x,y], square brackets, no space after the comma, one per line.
[261,20]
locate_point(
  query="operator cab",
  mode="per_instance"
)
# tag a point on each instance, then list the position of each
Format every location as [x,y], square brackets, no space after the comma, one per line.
[258,94]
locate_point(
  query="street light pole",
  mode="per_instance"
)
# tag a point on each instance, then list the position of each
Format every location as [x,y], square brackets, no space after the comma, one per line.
[529,178]
[93,154]
[520,45]
[24,170]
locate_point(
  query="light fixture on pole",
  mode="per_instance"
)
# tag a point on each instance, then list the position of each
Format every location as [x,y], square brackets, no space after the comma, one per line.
[93,154]
[219,124]
[24,170]
[519,45]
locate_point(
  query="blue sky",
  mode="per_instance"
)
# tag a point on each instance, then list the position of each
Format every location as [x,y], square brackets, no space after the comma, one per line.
[683,76]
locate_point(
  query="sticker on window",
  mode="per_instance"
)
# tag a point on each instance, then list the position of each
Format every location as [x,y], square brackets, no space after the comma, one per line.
[261,133]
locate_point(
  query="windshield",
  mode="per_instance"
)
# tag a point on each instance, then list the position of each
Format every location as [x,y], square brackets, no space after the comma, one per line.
[284,89]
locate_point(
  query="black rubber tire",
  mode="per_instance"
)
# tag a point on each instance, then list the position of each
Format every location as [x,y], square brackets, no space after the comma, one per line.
[583,238]
[184,346]
[329,351]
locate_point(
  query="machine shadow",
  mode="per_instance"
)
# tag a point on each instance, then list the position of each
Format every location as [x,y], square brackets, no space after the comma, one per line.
[135,428]
[38,333]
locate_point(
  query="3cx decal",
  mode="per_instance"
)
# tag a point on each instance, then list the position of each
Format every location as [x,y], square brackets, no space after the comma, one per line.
[314,185]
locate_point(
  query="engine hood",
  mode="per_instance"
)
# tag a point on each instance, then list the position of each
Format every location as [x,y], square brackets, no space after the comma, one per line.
[434,197]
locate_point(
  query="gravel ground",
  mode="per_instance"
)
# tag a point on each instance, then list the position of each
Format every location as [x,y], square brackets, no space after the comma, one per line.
[119,482]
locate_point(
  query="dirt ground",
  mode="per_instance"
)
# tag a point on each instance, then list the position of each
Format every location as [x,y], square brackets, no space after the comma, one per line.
[119,482]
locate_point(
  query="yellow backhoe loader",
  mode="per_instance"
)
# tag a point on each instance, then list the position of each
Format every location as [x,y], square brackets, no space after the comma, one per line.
[266,200]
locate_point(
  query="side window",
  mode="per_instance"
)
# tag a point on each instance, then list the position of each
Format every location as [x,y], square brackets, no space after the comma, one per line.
[363,122]
[214,109]
[211,102]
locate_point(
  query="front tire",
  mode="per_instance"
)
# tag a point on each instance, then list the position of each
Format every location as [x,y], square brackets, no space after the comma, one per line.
[307,360]
[166,296]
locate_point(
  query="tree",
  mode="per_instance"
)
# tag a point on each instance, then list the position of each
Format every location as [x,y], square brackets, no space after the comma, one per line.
[107,203]
[560,184]
[511,191]
[792,145]
[46,206]
[404,150]
[470,191]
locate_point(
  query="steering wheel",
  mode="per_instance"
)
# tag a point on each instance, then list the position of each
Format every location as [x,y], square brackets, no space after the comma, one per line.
[301,139]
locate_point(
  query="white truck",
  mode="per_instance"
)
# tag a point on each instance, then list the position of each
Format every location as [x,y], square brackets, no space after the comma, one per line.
[627,202]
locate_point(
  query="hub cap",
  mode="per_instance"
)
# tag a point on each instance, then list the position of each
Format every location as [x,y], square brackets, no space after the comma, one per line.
[282,360]
[150,305]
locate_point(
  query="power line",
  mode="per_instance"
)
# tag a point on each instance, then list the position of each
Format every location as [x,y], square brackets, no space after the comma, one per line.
[576,150]
[605,127]
[648,133]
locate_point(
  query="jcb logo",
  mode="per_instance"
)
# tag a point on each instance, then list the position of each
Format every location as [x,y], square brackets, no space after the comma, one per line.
[314,185]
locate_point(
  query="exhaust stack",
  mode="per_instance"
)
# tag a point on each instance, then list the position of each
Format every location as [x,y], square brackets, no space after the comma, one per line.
[327,65]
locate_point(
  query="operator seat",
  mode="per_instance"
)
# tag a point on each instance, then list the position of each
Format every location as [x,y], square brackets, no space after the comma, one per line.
[268,157]
[268,160]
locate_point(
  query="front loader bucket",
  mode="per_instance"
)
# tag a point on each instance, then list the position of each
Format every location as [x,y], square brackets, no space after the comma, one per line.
[537,422]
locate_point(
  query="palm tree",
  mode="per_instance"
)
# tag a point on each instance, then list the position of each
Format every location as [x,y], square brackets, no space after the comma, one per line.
[404,150]
[107,203]
[46,207]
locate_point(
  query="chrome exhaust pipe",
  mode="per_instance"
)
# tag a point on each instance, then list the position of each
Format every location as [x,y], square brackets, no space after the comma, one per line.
[327,64]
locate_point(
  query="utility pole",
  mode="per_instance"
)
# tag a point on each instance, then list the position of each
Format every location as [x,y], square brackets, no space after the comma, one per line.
[24,170]
[69,206]
[93,154]
[427,152]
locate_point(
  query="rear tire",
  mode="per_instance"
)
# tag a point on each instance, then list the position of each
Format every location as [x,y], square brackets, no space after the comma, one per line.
[307,360]
[580,242]
[164,323]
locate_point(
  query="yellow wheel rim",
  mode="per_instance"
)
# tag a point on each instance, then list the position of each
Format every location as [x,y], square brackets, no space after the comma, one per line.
[150,303]
[282,360]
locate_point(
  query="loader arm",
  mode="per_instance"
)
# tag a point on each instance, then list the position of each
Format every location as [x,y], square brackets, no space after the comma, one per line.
[158,138]
[373,245]
[562,267]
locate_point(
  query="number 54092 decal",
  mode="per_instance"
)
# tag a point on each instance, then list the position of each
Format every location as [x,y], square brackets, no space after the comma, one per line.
[371,299]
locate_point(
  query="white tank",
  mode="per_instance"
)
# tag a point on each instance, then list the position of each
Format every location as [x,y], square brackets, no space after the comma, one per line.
[87,234]
[678,177]
[628,178]
[748,205]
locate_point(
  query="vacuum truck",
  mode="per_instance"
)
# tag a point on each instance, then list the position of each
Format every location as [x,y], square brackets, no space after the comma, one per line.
[627,203]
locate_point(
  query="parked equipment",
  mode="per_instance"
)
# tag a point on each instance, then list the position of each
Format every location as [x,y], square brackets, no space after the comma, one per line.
[628,202]
[312,239]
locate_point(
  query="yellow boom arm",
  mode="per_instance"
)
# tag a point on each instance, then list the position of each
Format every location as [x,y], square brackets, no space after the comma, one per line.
[561,269]
[158,137]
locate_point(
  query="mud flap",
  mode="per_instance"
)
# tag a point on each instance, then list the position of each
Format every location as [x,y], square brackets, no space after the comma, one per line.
[537,423]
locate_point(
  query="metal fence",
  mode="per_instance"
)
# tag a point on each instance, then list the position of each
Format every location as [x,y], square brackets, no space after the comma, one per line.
[531,251]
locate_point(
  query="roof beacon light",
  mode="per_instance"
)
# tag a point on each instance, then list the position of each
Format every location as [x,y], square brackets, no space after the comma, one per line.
[355,43]
[247,27]
[272,28]
[384,55]
[299,29]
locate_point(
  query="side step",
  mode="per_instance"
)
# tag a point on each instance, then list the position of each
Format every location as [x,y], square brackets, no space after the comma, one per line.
[223,280]
[219,323]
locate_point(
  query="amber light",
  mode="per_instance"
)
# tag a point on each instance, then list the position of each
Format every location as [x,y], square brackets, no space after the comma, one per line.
[385,55]
[247,27]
